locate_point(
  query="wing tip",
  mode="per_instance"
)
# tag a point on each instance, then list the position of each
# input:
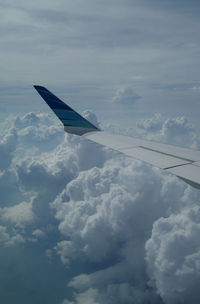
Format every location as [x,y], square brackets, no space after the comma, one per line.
[39,87]
[73,122]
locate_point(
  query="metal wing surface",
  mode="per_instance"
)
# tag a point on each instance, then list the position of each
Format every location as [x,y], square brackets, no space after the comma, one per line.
[184,163]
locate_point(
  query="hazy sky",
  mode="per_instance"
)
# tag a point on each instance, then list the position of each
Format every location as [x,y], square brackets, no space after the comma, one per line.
[80,224]
[87,51]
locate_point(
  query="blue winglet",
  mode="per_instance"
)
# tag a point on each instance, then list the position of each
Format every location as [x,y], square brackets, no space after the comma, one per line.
[73,122]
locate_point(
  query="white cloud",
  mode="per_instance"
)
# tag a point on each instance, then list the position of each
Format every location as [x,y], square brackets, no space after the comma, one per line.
[65,250]
[29,119]
[91,116]
[125,96]
[39,131]
[152,124]
[8,239]
[7,147]
[38,233]
[106,215]
[95,210]
[176,131]
[88,297]
[173,256]
[20,214]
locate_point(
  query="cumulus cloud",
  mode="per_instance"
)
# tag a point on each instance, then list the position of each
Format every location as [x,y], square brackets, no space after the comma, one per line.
[19,214]
[100,214]
[125,96]
[173,256]
[29,119]
[8,239]
[39,130]
[7,147]
[176,131]
[152,124]
[91,116]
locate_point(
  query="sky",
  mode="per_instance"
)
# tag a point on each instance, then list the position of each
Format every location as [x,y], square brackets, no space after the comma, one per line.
[89,51]
[80,223]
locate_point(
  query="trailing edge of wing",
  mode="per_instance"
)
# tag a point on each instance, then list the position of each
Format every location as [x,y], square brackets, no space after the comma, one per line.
[73,122]
[184,163]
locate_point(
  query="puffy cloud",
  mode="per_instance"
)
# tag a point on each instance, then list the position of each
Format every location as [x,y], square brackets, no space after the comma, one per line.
[152,124]
[65,250]
[91,116]
[173,256]
[29,119]
[178,131]
[106,216]
[88,297]
[8,144]
[110,289]
[93,209]
[125,96]
[8,239]
[38,233]
[39,130]
[9,188]
[19,214]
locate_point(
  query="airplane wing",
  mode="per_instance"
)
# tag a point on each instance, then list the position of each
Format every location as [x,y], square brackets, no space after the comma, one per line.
[184,163]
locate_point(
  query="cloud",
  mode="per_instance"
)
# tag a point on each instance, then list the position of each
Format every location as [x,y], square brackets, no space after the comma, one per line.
[176,131]
[125,96]
[50,38]
[20,214]
[97,212]
[152,124]
[100,214]
[88,297]
[173,256]
[39,131]
[7,147]
[195,88]
[29,119]
[9,240]
[91,116]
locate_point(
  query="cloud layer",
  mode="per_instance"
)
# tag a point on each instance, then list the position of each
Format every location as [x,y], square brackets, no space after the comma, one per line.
[113,229]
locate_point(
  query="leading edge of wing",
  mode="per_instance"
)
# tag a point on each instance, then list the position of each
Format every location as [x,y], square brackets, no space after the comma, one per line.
[73,122]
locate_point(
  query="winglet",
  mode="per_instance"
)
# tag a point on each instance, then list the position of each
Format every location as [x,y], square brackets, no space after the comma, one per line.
[73,122]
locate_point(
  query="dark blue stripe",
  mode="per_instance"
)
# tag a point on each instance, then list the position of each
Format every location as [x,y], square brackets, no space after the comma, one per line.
[53,101]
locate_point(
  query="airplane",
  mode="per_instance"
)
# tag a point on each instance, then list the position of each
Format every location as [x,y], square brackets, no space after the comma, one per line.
[182,162]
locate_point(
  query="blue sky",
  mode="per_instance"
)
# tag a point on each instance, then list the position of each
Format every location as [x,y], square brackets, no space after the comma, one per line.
[79,223]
